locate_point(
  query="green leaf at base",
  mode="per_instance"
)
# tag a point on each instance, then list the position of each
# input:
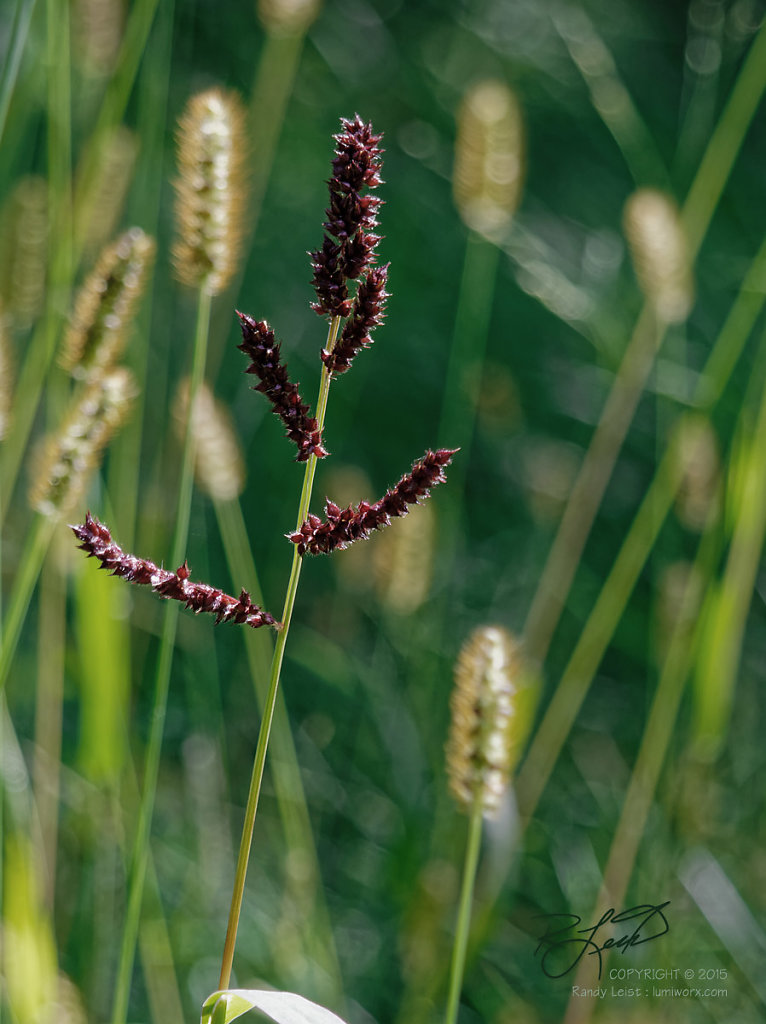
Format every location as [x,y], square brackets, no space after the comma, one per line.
[282,1007]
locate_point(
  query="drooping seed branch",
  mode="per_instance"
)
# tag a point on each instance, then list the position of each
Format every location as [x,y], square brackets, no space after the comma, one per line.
[97,541]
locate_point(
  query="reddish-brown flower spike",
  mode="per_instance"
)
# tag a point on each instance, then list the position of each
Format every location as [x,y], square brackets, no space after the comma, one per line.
[342,527]
[261,346]
[96,539]
[367,313]
[351,217]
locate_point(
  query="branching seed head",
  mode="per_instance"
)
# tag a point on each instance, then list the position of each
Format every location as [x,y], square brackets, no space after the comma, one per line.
[210,190]
[489,159]
[106,305]
[487,726]
[660,253]
[74,451]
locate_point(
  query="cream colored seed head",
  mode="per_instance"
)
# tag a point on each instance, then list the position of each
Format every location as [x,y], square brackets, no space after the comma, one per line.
[105,204]
[489,156]
[75,450]
[660,253]
[699,470]
[107,304]
[403,561]
[484,734]
[210,190]
[288,17]
[24,241]
[219,464]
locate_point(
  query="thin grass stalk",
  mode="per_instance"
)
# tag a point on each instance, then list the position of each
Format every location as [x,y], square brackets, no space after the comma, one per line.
[161,686]
[629,383]
[742,564]
[602,621]
[16,45]
[618,112]
[125,467]
[462,930]
[288,785]
[49,699]
[464,366]
[656,738]
[30,561]
[271,698]
[59,153]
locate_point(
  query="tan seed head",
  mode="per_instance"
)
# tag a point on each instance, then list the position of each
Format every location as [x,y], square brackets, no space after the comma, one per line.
[74,451]
[488,158]
[660,253]
[210,190]
[489,718]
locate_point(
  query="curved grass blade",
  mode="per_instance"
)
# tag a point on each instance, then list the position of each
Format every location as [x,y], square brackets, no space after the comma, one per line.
[282,1007]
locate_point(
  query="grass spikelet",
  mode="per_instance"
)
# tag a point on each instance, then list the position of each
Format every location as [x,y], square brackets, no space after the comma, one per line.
[117,162]
[484,738]
[210,190]
[219,464]
[106,305]
[75,450]
[489,158]
[659,251]
[287,17]
[25,250]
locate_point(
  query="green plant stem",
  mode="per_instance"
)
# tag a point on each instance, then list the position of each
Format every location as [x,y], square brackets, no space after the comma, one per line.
[463,927]
[162,684]
[288,785]
[30,562]
[271,697]
[12,63]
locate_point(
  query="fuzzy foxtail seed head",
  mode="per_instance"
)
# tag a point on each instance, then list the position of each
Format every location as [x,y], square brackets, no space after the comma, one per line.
[660,253]
[210,190]
[107,304]
[75,450]
[489,158]
[489,718]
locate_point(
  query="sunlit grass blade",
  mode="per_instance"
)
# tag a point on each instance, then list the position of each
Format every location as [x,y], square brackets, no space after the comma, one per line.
[596,471]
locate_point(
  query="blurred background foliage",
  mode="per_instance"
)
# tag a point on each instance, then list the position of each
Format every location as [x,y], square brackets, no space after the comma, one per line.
[507,347]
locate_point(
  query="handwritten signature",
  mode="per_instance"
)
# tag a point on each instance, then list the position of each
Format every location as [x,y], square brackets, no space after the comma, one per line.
[564,947]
